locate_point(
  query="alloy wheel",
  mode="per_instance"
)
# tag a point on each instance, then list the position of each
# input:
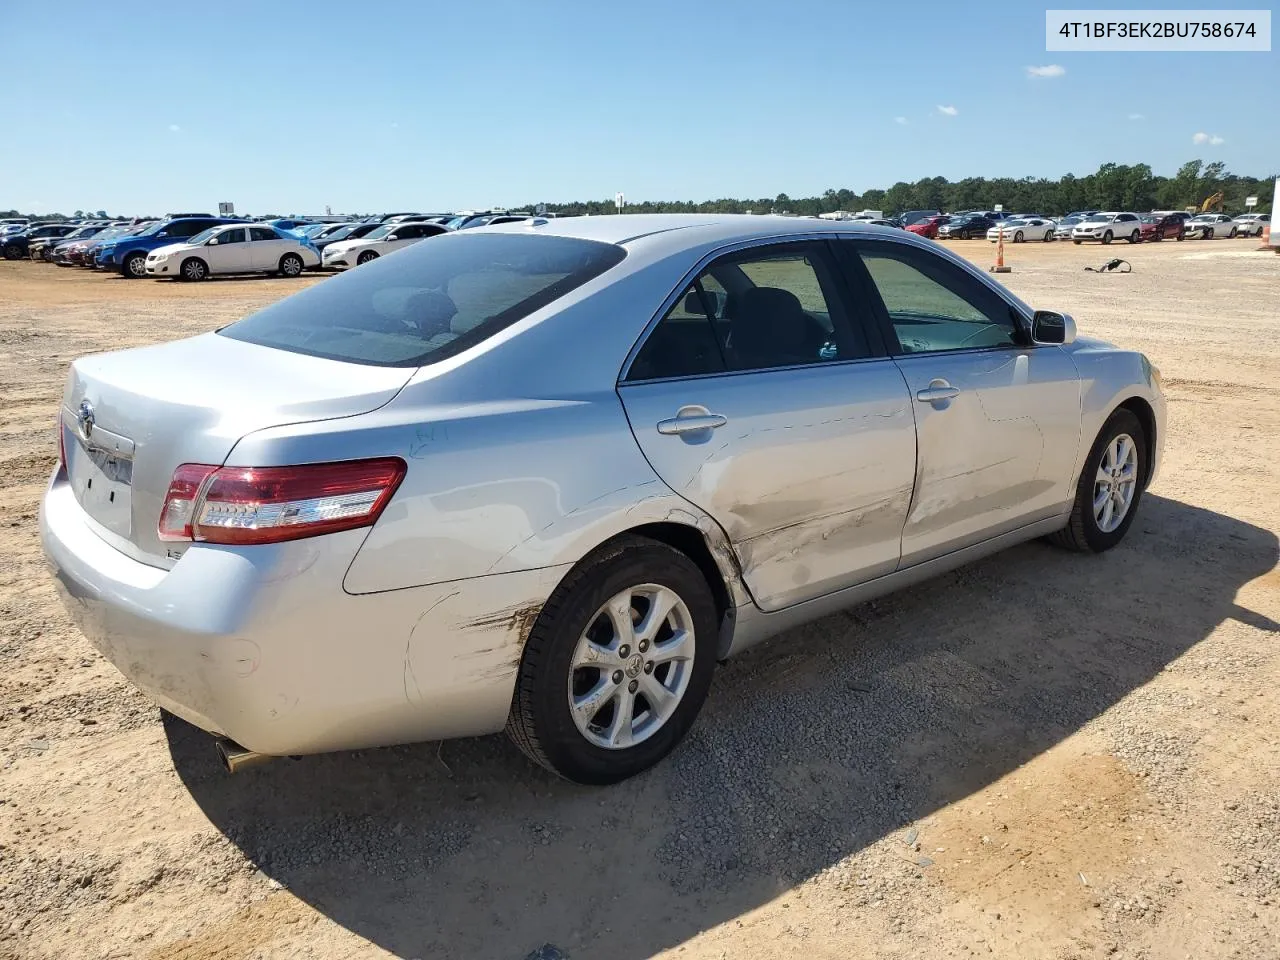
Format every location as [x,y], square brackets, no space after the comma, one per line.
[631,666]
[1115,483]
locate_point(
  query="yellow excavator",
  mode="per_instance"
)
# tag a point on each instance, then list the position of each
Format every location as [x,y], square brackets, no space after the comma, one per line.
[1212,203]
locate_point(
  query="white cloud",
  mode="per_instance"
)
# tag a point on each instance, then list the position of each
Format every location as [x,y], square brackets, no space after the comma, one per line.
[1049,70]
[947,111]
[1136,116]
[174,128]
[901,121]
[1215,140]
[1210,138]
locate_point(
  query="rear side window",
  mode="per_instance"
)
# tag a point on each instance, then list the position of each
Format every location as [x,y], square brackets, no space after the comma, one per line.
[430,301]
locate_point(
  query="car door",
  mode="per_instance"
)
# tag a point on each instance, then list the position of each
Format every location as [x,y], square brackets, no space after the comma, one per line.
[997,417]
[231,254]
[757,398]
[266,247]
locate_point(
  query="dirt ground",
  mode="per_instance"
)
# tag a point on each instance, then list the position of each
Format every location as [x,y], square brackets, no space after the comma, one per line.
[1042,755]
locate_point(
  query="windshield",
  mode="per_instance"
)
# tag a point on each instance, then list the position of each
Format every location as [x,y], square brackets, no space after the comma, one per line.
[1014,223]
[456,222]
[1150,219]
[430,302]
[203,235]
[1204,218]
[1099,218]
[152,228]
[344,231]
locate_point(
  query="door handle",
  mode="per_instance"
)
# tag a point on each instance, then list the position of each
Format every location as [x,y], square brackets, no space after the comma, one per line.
[937,390]
[690,420]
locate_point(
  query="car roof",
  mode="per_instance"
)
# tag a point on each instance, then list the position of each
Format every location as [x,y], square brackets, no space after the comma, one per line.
[689,229]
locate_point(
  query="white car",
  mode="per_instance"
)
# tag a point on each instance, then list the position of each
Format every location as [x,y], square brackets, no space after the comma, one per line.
[1209,225]
[235,248]
[1108,226]
[1252,224]
[1023,228]
[386,239]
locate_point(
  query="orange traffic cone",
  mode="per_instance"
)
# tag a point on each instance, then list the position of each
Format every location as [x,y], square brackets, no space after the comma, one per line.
[999,265]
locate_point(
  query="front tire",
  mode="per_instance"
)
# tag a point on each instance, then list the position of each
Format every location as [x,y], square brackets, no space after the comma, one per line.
[366,257]
[1208,234]
[1048,235]
[13,252]
[193,269]
[1077,242]
[1018,237]
[1232,234]
[1110,487]
[1107,237]
[1135,236]
[291,265]
[134,266]
[617,664]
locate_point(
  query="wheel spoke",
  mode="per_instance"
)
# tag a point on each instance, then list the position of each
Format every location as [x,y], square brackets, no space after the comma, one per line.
[1100,499]
[620,731]
[1123,447]
[661,700]
[1102,476]
[591,655]
[678,648]
[1108,509]
[620,613]
[593,701]
[660,607]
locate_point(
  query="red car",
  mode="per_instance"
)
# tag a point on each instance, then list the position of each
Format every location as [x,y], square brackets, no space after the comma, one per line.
[928,227]
[1157,227]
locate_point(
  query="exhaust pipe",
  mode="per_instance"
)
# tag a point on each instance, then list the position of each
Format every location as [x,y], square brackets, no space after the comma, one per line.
[235,758]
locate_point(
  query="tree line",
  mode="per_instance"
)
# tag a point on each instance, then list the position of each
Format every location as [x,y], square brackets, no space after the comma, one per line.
[1113,186]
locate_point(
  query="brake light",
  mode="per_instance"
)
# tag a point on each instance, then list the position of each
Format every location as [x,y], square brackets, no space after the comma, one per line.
[246,505]
[180,500]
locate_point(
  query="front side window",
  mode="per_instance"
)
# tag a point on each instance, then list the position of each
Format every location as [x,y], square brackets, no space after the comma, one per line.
[932,305]
[231,236]
[757,309]
[429,302]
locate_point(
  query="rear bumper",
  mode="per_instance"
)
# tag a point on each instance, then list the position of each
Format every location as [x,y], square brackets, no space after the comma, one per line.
[262,645]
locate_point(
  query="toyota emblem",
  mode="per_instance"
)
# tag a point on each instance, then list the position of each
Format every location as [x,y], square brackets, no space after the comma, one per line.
[85,418]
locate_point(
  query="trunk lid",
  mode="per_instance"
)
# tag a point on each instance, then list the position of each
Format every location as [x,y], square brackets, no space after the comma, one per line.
[131,417]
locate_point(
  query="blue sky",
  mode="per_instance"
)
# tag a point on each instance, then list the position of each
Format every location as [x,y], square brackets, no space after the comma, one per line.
[289,105]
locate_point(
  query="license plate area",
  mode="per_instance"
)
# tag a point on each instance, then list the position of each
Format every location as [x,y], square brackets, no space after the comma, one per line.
[100,470]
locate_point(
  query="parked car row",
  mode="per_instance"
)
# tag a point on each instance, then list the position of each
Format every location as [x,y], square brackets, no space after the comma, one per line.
[195,246]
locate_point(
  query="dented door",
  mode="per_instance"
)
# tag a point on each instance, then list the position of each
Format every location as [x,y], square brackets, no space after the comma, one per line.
[809,474]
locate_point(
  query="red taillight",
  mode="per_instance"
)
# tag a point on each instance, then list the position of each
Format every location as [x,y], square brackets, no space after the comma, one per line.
[180,502]
[244,505]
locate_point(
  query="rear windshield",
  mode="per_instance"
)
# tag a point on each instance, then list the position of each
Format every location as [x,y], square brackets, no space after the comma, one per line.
[430,301]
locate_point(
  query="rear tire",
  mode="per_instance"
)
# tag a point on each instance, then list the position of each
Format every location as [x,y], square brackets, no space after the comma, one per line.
[1048,235]
[1232,234]
[291,265]
[366,257]
[1088,530]
[574,630]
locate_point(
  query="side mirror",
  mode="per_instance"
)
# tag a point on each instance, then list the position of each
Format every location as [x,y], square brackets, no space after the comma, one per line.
[213,242]
[1047,326]
[394,236]
[163,233]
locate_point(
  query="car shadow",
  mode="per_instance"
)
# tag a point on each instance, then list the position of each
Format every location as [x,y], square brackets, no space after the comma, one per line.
[810,748]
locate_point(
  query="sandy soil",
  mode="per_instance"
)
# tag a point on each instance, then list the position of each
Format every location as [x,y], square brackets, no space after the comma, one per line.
[1042,755]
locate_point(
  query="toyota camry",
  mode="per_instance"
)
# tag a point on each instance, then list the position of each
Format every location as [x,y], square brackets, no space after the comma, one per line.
[544,477]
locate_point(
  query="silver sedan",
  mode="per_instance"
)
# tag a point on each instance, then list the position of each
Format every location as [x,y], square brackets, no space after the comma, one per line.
[543,477]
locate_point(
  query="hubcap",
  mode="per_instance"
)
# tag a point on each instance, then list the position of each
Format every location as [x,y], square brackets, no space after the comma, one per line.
[291,266]
[631,666]
[137,266]
[1115,483]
